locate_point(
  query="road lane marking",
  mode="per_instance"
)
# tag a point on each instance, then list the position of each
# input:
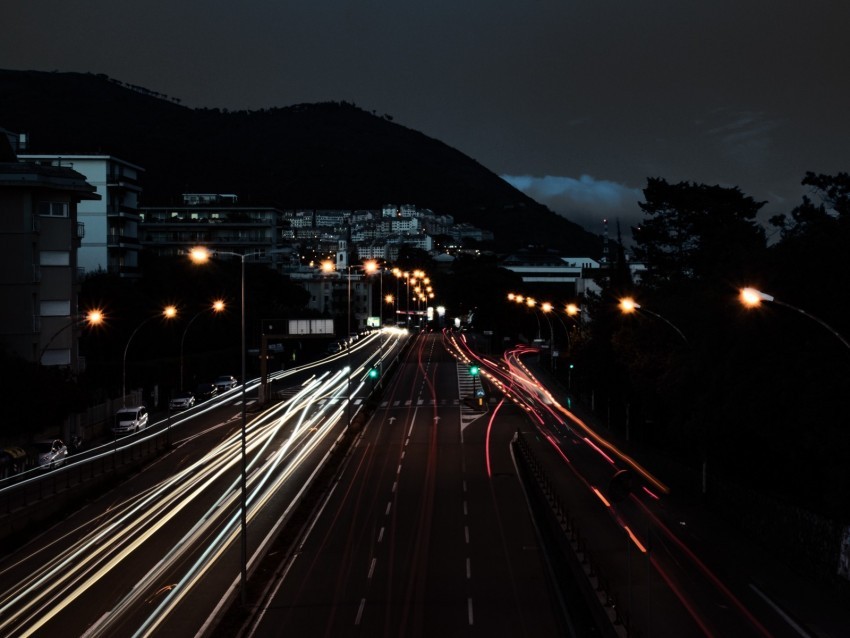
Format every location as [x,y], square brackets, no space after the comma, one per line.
[372,568]
[389,505]
[468,569]
[360,611]
[381,535]
[781,613]
[466,533]
[469,606]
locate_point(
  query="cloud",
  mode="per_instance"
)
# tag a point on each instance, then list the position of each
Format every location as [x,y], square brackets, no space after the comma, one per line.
[586,201]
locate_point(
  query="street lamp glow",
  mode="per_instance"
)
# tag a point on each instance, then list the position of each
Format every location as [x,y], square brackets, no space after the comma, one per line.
[511,296]
[546,306]
[751,297]
[95,317]
[200,255]
[169,312]
[628,305]
[389,299]
[572,309]
[370,266]
[530,302]
[327,266]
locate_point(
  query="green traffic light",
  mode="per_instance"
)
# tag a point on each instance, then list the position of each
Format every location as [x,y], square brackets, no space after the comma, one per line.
[373,373]
[473,370]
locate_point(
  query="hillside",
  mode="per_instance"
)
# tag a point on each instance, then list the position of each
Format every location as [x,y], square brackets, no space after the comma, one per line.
[329,155]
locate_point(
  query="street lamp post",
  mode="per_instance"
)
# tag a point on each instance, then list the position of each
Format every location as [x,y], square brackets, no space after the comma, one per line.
[751,298]
[199,256]
[91,318]
[169,312]
[546,308]
[628,305]
[217,306]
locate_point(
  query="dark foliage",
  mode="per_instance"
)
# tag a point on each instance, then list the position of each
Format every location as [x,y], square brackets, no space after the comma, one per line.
[756,393]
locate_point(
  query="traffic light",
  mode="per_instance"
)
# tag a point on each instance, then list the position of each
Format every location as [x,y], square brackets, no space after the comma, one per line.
[473,370]
[373,373]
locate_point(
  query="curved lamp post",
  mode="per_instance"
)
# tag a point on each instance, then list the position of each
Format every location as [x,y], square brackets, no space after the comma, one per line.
[628,306]
[92,318]
[752,298]
[169,312]
[216,307]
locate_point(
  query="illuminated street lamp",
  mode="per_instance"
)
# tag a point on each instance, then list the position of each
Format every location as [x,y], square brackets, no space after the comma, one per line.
[752,298]
[201,255]
[217,307]
[92,319]
[169,312]
[628,306]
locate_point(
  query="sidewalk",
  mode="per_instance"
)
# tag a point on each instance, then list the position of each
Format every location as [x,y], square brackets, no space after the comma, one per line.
[802,604]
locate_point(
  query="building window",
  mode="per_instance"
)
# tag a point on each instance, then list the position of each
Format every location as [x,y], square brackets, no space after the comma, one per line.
[55,258]
[53,209]
[55,308]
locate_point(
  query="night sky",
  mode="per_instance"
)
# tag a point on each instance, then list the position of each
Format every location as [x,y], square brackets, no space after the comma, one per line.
[576,102]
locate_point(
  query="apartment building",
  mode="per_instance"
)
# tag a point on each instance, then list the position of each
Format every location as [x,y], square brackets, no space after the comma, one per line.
[39,273]
[112,242]
[216,221]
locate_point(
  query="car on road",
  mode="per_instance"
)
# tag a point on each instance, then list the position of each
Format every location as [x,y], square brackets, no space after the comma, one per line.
[182,401]
[129,420]
[205,391]
[225,382]
[50,453]
[334,347]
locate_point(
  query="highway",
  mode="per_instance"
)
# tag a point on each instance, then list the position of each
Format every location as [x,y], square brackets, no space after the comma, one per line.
[654,571]
[159,553]
[426,531]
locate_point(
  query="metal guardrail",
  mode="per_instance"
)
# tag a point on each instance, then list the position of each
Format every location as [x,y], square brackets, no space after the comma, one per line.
[31,498]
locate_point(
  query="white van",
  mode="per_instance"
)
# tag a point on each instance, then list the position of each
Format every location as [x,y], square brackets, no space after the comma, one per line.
[130,419]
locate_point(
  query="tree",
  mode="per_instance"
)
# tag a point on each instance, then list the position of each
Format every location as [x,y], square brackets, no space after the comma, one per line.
[823,218]
[693,232]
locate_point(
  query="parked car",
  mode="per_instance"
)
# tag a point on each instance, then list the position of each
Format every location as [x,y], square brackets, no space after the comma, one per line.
[50,453]
[334,347]
[205,391]
[130,419]
[182,401]
[225,382]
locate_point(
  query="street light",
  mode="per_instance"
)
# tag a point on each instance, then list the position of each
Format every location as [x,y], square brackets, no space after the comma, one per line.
[201,255]
[628,306]
[91,319]
[169,312]
[752,298]
[217,306]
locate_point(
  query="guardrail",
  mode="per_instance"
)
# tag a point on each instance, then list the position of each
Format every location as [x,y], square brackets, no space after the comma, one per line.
[29,499]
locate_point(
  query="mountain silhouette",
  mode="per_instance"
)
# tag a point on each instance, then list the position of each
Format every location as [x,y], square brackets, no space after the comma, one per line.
[330,155]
